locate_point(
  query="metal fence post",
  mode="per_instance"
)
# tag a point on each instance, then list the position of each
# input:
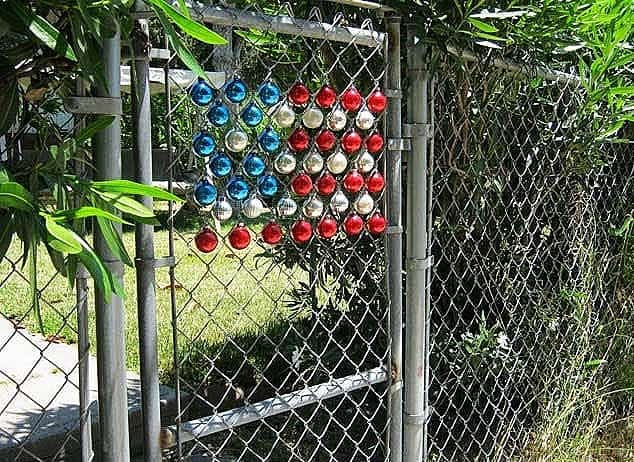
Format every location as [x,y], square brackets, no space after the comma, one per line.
[144,242]
[111,363]
[418,262]
[394,244]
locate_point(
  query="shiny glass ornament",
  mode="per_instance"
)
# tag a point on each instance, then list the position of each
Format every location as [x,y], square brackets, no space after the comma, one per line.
[313,118]
[237,188]
[236,90]
[252,207]
[313,208]
[272,233]
[286,207]
[218,114]
[253,165]
[236,140]
[353,181]
[301,231]
[285,163]
[376,224]
[285,115]
[252,115]
[339,203]
[299,94]
[268,185]
[201,93]
[299,140]
[205,193]
[364,204]
[353,224]
[375,183]
[204,144]
[374,142]
[337,120]
[326,184]
[206,240]
[337,162]
[351,142]
[222,209]
[326,97]
[302,184]
[269,140]
[327,227]
[351,99]
[313,163]
[220,165]
[325,140]
[376,101]
[239,237]
[364,120]
[269,93]
[365,162]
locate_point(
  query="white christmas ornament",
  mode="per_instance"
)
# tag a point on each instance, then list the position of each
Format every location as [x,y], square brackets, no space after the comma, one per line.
[285,162]
[285,115]
[313,118]
[337,120]
[252,207]
[364,204]
[313,208]
[236,140]
[339,202]
[337,162]
[365,162]
[313,163]
[222,209]
[364,120]
[286,207]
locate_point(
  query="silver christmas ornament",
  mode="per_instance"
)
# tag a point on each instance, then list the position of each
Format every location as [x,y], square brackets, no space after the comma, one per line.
[222,209]
[313,208]
[337,162]
[339,202]
[364,204]
[365,162]
[364,120]
[252,207]
[285,115]
[337,120]
[313,118]
[236,140]
[313,163]
[286,207]
[285,162]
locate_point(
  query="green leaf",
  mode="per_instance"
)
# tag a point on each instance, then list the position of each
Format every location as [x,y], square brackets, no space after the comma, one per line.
[10,104]
[184,9]
[34,292]
[88,49]
[187,25]
[594,363]
[86,212]
[15,196]
[624,228]
[43,30]
[60,238]
[6,233]
[100,274]
[57,258]
[483,26]
[181,49]
[134,189]
[93,127]
[125,204]
[113,239]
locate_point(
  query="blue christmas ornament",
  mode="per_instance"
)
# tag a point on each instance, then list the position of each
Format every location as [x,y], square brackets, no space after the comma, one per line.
[254,165]
[201,93]
[220,165]
[236,90]
[218,114]
[268,185]
[204,144]
[269,140]
[237,188]
[205,193]
[252,115]
[269,93]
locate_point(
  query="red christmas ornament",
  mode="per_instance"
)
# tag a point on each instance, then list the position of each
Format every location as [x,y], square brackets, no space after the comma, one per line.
[375,183]
[299,140]
[351,99]
[299,94]
[325,140]
[302,184]
[272,233]
[326,97]
[351,142]
[206,240]
[353,224]
[301,231]
[353,181]
[327,227]
[374,142]
[239,237]
[377,224]
[377,101]
[326,184]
